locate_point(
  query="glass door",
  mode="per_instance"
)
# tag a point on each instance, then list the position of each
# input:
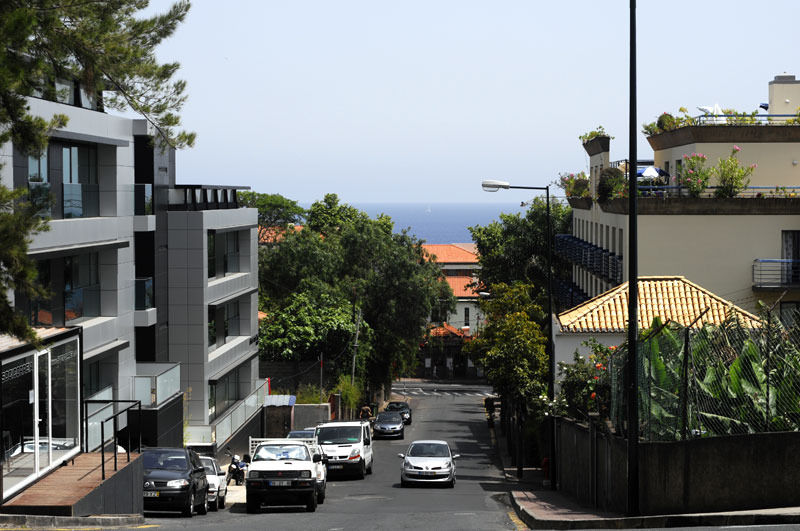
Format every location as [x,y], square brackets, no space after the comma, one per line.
[42,433]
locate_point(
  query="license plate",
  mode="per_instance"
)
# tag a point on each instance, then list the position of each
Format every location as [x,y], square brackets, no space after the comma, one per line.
[427,473]
[282,483]
[150,494]
[336,467]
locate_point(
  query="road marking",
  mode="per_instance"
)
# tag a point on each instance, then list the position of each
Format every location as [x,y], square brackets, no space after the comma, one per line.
[463,514]
[516,521]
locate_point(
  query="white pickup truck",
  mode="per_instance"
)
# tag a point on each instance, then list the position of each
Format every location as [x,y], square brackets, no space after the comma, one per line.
[285,472]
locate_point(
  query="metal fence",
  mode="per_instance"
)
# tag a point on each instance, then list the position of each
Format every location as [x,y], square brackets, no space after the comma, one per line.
[712,380]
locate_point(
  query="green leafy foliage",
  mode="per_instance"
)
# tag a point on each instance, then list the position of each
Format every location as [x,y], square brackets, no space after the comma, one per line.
[586,382]
[574,184]
[611,184]
[732,177]
[275,213]
[693,174]
[591,135]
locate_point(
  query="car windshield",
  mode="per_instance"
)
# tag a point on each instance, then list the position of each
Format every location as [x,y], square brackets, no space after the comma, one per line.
[208,464]
[396,406]
[281,452]
[301,434]
[429,450]
[339,434]
[388,417]
[166,460]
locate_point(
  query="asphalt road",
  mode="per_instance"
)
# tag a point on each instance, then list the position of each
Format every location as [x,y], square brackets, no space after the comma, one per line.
[440,411]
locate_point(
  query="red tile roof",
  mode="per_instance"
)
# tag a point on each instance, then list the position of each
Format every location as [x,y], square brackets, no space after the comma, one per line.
[445,329]
[458,284]
[274,234]
[451,253]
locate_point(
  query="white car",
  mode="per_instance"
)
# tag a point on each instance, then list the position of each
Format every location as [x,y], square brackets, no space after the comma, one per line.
[347,445]
[428,462]
[217,486]
[282,472]
[321,473]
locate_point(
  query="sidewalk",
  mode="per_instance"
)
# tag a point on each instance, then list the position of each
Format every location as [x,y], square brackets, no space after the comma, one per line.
[544,508]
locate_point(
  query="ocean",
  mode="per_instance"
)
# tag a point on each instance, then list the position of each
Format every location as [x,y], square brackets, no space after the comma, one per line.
[440,222]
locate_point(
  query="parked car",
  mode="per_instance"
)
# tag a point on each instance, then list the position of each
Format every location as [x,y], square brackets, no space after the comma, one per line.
[282,473]
[217,485]
[320,470]
[307,433]
[428,462]
[389,424]
[401,407]
[174,480]
[347,445]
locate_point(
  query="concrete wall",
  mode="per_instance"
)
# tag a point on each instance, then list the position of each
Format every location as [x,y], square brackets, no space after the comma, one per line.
[121,493]
[306,415]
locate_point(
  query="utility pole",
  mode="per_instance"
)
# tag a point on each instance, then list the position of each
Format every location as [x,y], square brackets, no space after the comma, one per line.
[355,349]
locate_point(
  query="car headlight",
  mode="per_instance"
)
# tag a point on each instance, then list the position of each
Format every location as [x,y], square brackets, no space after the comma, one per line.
[407,465]
[448,464]
[305,473]
[354,453]
[177,483]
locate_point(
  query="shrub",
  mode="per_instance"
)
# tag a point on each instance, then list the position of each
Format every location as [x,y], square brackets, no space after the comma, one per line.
[732,177]
[612,183]
[693,174]
[593,134]
[668,122]
[574,184]
[586,384]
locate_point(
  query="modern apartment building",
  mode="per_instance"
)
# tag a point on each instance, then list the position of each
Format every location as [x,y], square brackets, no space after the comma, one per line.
[745,249]
[153,287]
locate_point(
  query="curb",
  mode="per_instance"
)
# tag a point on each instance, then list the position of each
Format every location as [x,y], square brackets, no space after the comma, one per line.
[100,521]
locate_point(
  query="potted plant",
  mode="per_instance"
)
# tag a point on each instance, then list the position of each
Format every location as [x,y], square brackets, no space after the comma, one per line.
[732,177]
[693,175]
[576,188]
[596,141]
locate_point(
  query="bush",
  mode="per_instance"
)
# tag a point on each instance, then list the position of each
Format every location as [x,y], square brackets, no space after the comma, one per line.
[574,184]
[591,135]
[586,384]
[693,174]
[732,177]
[351,393]
[612,184]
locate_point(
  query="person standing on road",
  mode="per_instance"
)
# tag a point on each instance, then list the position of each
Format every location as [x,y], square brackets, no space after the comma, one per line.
[366,413]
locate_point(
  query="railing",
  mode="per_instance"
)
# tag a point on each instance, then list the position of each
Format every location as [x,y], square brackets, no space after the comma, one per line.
[749,192]
[230,421]
[143,199]
[776,273]
[203,197]
[40,198]
[81,200]
[113,440]
[155,383]
[82,302]
[743,119]
[597,260]
[144,299]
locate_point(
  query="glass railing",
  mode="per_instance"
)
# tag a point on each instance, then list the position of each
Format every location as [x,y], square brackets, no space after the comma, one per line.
[144,293]
[40,198]
[81,200]
[143,199]
[82,302]
[97,413]
[155,383]
[235,418]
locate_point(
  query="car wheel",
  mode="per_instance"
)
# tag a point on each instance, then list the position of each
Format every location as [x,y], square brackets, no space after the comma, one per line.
[362,470]
[188,509]
[371,464]
[402,435]
[203,508]
[253,505]
[214,506]
[321,495]
[311,504]
[451,483]
[221,501]
[403,483]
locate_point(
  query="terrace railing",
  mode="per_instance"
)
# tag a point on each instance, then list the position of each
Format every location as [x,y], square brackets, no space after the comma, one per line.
[776,273]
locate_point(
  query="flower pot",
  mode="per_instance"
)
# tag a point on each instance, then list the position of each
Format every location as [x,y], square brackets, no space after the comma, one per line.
[584,203]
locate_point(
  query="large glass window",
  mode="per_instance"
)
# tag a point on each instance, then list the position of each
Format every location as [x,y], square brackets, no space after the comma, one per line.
[81,193]
[212,328]
[211,240]
[232,319]
[39,183]
[42,309]
[81,287]
[231,252]
[225,393]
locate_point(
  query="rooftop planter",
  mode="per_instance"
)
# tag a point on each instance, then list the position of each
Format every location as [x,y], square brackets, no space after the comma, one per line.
[584,203]
[598,144]
[695,134]
[706,206]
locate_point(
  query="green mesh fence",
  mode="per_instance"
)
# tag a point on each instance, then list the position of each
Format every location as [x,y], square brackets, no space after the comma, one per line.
[712,381]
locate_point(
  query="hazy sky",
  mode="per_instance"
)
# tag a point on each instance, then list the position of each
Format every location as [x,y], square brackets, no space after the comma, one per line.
[418,101]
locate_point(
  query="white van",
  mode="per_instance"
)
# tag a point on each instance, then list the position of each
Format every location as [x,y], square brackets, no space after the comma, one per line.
[347,445]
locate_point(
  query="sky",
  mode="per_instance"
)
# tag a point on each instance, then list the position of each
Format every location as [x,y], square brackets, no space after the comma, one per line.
[419,101]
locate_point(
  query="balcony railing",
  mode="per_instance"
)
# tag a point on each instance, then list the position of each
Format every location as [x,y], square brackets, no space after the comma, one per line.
[40,198]
[776,273]
[229,422]
[143,199]
[81,200]
[82,302]
[144,293]
[155,383]
[203,197]
[598,261]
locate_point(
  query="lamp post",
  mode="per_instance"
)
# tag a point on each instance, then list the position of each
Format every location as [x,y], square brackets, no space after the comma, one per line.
[490,185]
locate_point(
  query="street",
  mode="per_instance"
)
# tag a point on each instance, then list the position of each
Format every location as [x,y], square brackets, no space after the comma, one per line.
[453,412]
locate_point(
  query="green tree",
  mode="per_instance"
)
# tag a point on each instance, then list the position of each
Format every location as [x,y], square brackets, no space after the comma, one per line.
[274,212]
[515,248]
[106,45]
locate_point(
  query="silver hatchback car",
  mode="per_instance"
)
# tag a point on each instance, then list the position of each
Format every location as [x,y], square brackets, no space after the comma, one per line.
[428,462]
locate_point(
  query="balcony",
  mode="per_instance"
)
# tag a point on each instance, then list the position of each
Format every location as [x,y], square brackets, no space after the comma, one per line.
[230,421]
[82,302]
[144,293]
[40,198]
[598,261]
[156,383]
[143,199]
[775,273]
[81,200]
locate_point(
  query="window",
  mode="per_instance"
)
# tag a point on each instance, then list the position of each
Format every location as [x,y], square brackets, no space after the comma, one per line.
[81,287]
[232,319]
[666,166]
[466,316]
[79,178]
[38,183]
[212,328]
[225,393]
[231,252]
[211,240]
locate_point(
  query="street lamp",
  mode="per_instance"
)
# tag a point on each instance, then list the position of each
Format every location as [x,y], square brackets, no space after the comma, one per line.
[491,185]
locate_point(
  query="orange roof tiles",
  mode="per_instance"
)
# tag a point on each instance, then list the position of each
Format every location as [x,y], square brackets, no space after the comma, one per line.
[8,342]
[275,234]
[458,284]
[451,253]
[446,329]
[672,298]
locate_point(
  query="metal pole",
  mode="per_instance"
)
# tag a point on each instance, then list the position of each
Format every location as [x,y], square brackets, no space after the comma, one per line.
[114,440]
[685,387]
[551,384]
[632,384]
[102,450]
[767,355]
